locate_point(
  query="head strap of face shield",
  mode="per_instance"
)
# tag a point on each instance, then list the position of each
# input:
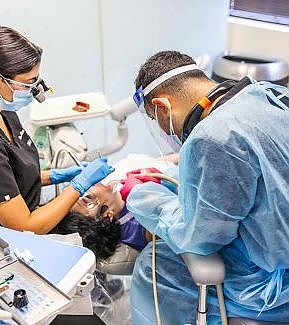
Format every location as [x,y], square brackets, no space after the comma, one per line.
[141,93]
[194,117]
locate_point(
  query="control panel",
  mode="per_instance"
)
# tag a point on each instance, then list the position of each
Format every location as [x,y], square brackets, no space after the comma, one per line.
[29,297]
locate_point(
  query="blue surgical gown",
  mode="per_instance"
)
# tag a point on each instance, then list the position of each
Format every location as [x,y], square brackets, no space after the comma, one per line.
[233,198]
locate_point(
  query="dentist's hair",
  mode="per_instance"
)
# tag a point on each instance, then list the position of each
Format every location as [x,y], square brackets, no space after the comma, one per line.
[160,63]
[17,54]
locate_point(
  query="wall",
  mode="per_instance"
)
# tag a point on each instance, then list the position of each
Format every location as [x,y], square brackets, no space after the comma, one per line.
[134,30]
[70,42]
[100,44]
[259,38]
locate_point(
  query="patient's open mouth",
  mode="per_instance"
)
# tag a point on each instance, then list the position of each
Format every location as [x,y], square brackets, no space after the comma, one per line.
[103,210]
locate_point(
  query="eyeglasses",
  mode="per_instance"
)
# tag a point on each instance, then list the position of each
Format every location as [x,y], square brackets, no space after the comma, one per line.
[23,84]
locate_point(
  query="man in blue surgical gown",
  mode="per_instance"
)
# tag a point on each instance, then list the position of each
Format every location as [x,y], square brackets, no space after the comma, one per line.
[233,194]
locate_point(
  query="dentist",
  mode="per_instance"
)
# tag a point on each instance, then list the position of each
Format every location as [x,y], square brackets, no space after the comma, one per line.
[21,178]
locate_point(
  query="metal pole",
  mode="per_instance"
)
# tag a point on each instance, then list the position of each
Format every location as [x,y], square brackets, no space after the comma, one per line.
[73,157]
[202,305]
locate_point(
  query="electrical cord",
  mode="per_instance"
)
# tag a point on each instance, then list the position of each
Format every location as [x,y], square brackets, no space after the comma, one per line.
[222,304]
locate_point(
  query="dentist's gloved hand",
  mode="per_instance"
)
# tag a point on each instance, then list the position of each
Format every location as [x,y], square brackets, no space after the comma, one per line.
[60,175]
[94,172]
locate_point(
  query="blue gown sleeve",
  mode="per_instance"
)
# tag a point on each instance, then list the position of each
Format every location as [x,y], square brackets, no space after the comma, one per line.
[218,189]
[155,207]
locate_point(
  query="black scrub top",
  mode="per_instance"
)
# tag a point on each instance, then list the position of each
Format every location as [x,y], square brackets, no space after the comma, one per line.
[19,164]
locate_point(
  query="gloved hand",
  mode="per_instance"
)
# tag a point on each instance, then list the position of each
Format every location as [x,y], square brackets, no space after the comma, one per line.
[135,177]
[93,173]
[60,175]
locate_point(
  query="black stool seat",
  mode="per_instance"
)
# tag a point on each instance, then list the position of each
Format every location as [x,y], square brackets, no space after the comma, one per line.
[77,320]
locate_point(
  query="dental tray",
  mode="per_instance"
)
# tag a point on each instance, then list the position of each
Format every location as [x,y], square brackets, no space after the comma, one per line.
[59,110]
[45,301]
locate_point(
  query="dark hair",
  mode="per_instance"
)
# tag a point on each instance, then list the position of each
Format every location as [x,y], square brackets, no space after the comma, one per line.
[17,54]
[101,236]
[161,63]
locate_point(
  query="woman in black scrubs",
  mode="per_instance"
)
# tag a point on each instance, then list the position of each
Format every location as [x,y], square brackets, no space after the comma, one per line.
[20,175]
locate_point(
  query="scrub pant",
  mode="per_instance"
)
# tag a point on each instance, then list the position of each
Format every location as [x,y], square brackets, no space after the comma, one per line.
[177,293]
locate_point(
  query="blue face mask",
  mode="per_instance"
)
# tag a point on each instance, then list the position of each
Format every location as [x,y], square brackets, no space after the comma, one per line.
[175,142]
[172,140]
[21,98]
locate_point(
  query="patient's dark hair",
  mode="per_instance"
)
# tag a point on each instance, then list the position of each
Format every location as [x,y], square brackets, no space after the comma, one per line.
[17,54]
[161,63]
[101,236]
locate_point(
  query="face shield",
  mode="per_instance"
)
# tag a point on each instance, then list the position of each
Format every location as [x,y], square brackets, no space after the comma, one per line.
[151,122]
[166,143]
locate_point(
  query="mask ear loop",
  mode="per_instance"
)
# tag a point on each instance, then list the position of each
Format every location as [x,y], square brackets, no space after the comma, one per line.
[7,83]
[156,115]
[171,121]
[157,121]
[172,130]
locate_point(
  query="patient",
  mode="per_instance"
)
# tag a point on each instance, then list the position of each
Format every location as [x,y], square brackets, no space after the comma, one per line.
[102,219]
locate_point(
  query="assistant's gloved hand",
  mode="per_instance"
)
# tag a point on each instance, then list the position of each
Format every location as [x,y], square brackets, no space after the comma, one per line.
[137,176]
[93,173]
[60,175]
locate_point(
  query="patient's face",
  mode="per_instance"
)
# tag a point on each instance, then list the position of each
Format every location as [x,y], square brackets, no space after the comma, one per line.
[100,201]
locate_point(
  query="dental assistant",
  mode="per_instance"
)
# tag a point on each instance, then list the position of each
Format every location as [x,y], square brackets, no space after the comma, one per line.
[20,175]
[233,195]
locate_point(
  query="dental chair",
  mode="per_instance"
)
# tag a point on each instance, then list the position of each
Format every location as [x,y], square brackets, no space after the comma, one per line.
[210,270]
[120,263]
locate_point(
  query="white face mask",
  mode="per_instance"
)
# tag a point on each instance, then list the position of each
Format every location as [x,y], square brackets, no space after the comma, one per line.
[171,139]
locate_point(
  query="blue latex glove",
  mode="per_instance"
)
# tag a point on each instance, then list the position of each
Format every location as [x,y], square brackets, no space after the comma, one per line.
[60,175]
[93,173]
